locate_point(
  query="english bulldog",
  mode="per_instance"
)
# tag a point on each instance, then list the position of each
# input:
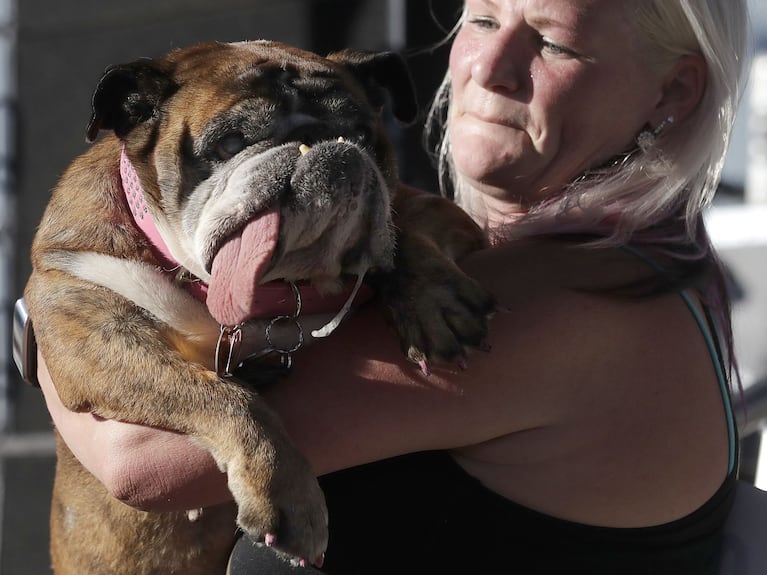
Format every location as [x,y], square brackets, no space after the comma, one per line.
[236,187]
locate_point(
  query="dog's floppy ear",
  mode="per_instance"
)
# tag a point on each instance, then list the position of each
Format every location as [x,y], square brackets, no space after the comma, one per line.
[127,95]
[382,73]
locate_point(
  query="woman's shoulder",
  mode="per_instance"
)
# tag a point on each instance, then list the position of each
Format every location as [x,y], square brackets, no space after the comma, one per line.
[554,268]
[579,363]
[562,311]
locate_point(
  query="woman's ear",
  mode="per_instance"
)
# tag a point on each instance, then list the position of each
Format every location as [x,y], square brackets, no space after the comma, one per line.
[682,90]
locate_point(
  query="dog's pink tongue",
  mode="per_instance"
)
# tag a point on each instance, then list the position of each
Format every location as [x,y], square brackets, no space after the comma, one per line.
[238,267]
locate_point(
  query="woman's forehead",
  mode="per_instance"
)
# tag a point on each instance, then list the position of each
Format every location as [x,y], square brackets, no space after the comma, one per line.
[564,12]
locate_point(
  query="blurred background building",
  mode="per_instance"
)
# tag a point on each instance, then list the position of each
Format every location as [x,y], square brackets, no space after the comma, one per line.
[52,53]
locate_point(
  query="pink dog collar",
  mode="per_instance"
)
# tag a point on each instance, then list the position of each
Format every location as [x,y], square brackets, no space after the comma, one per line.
[273,299]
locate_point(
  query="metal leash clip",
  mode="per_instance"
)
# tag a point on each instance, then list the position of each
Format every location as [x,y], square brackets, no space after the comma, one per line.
[227,350]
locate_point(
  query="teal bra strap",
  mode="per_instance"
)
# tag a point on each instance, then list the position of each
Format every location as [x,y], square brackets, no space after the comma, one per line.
[712,350]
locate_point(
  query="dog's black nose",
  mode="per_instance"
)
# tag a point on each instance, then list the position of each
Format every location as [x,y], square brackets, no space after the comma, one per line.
[302,128]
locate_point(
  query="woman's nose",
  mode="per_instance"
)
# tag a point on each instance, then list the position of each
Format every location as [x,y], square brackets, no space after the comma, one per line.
[499,63]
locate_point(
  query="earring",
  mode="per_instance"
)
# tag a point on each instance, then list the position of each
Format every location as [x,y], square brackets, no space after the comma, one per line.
[646,139]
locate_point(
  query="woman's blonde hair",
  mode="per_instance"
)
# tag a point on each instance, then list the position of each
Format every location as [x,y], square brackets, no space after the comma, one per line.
[655,195]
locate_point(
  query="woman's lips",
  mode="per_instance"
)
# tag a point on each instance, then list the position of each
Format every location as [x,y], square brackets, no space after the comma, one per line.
[496,119]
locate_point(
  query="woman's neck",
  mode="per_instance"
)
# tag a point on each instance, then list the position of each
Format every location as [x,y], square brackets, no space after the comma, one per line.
[492,213]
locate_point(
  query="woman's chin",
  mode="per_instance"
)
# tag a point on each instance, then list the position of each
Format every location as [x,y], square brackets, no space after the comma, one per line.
[486,152]
[478,172]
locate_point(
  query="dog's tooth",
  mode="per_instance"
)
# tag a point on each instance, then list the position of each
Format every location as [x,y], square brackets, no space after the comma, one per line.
[194,515]
[303,148]
[341,139]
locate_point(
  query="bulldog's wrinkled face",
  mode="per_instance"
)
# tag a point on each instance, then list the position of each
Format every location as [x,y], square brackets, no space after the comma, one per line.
[260,161]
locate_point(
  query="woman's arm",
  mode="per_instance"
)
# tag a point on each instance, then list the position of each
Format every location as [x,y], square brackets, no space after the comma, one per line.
[147,468]
[350,399]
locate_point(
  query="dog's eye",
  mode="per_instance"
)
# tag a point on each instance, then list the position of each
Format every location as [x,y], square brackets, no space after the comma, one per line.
[230,145]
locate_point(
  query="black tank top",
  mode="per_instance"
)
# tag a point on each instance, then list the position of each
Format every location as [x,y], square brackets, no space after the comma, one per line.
[422,513]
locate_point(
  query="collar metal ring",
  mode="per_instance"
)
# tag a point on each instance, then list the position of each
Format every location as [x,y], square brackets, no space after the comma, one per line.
[299,331]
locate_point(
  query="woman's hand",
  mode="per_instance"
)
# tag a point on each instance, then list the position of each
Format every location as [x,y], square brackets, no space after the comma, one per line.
[147,468]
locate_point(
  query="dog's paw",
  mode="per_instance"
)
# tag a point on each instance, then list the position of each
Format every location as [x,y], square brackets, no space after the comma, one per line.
[286,511]
[437,310]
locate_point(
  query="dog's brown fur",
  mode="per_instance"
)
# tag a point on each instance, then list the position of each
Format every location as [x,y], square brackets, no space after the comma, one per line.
[111,357]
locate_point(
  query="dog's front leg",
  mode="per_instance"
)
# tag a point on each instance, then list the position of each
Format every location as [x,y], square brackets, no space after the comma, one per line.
[437,310]
[126,370]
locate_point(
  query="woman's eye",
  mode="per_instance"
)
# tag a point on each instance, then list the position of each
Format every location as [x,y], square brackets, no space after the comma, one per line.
[483,22]
[230,145]
[556,49]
